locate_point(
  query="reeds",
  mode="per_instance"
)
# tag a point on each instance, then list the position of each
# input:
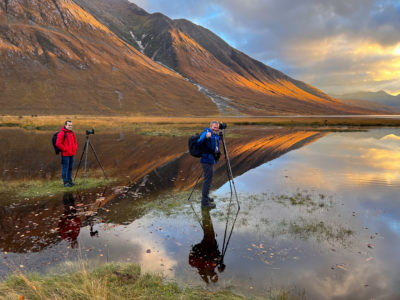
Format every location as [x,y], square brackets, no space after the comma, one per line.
[111,281]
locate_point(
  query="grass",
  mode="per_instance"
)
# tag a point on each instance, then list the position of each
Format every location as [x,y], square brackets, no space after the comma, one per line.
[171,204]
[312,202]
[305,229]
[144,126]
[40,188]
[54,122]
[172,130]
[111,281]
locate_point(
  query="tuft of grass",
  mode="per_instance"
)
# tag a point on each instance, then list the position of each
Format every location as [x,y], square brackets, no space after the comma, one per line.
[305,229]
[111,281]
[170,204]
[312,202]
[39,188]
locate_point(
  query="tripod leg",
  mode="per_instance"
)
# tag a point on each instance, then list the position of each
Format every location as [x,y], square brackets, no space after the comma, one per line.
[230,174]
[225,246]
[227,164]
[84,171]
[104,172]
[191,204]
[198,178]
[80,161]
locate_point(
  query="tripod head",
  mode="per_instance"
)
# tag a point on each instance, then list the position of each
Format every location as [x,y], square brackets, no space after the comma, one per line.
[221,134]
[88,132]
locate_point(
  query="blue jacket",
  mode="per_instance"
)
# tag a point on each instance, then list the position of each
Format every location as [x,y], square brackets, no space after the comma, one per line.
[211,146]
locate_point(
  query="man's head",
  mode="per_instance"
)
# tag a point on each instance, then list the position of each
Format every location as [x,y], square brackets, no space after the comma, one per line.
[214,126]
[68,125]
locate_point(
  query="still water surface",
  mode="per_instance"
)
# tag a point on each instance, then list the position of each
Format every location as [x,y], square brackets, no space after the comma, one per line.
[321,222]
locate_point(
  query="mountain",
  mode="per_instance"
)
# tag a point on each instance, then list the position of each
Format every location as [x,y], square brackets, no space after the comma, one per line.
[57,58]
[112,57]
[237,83]
[380,98]
[366,104]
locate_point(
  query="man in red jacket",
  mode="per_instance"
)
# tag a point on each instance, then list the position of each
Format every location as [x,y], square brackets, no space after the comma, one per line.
[66,142]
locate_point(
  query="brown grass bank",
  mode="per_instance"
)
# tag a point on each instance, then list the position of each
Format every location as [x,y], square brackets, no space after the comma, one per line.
[87,121]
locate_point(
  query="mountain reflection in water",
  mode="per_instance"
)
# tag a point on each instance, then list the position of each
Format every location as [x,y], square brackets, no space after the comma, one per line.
[156,163]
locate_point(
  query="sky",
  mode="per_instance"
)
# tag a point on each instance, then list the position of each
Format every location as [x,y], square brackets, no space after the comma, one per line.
[338,46]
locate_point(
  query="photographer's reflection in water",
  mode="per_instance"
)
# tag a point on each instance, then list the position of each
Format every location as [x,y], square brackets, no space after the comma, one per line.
[69,224]
[92,232]
[205,256]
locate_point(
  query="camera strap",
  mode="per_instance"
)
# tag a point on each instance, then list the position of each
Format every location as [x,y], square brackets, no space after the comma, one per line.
[216,144]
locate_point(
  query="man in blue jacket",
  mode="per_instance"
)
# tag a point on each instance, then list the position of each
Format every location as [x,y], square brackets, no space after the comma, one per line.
[209,140]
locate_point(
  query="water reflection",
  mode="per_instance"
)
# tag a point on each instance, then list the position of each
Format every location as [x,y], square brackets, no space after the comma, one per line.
[69,224]
[205,256]
[324,218]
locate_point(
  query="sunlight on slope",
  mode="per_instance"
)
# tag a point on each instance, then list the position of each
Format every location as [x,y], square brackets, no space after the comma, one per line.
[207,69]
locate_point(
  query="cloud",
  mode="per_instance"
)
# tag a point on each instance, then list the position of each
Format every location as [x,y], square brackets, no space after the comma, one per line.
[338,46]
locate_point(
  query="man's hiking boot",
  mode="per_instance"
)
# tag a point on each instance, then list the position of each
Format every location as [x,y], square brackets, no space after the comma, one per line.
[67,184]
[71,183]
[209,205]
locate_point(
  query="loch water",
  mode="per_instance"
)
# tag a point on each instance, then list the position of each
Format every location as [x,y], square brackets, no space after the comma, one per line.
[319,213]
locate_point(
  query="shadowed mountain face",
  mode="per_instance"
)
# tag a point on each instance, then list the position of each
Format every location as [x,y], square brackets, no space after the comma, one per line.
[236,82]
[57,58]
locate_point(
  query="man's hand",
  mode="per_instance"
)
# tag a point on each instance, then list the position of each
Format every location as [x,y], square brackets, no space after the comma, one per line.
[208,134]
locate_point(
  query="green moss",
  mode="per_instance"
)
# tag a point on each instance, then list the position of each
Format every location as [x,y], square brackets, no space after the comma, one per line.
[39,188]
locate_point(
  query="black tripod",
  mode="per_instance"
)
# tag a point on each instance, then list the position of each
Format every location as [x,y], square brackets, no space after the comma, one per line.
[229,169]
[85,152]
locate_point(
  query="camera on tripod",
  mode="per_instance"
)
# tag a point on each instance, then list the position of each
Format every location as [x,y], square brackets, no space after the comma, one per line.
[85,153]
[222,126]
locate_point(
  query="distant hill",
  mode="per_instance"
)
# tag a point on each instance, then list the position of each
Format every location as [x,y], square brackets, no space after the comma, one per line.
[366,104]
[112,57]
[366,99]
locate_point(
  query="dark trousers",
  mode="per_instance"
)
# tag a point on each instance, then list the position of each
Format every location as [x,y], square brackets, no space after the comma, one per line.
[67,163]
[208,172]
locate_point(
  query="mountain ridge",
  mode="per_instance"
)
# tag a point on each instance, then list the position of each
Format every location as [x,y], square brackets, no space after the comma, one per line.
[380,97]
[56,58]
[189,49]
[112,57]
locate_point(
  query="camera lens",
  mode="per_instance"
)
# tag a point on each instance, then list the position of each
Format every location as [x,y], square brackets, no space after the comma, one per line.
[222,125]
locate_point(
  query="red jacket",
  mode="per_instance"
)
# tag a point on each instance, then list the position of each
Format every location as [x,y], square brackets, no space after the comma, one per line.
[69,145]
[69,228]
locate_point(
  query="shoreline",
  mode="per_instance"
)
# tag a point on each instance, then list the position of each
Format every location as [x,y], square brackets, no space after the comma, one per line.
[48,122]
